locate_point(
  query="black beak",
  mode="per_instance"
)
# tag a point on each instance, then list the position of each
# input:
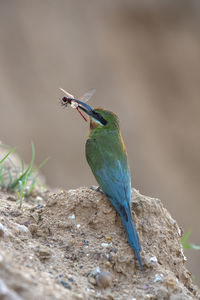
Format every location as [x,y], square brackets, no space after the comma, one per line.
[91,112]
[85,107]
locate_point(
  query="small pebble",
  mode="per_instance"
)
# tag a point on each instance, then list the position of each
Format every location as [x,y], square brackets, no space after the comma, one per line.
[105,245]
[3,231]
[108,238]
[76,296]
[86,243]
[22,231]
[71,279]
[110,297]
[11,198]
[96,188]
[43,252]
[149,296]
[179,231]
[104,279]
[15,213]
[72,217]
[92,280]
[65,284]
[39,199]
[35,216]
[39,233]
[107,255]
[153,259]
[107,211]
[158,277]
[96,271]
[170,283]
[108,264]
[33,228]
[51,202]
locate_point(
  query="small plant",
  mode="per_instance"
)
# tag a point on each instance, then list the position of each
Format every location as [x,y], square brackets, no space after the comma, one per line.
[20,180]
[188,245]
[2,167]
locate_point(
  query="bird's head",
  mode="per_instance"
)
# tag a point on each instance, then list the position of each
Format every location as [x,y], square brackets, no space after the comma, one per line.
[103,118]
[99,118]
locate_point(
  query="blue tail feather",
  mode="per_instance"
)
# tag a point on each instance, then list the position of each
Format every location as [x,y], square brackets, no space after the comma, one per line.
[131,232]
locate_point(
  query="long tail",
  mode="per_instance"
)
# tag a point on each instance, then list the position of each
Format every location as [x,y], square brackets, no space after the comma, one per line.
[131,232]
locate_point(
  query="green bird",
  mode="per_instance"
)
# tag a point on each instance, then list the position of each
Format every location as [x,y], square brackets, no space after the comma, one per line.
[107,157]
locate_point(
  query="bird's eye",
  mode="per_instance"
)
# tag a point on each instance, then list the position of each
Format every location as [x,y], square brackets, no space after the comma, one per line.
[101,119]
[64,99]
[98,116]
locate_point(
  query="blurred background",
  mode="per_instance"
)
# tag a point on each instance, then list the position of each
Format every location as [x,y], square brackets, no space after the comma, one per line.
[143,58]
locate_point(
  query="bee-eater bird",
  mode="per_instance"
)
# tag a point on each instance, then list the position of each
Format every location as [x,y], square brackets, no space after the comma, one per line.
[107,157]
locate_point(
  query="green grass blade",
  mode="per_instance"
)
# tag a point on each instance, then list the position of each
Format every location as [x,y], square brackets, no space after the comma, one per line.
[2,179]
[26,173]
[33,184]
[2,160]
[188,245]
[195,247]
[185,238]
[21,193]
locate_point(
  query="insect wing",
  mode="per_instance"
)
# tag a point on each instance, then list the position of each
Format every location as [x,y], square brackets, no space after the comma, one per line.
[67,94]
[87,95]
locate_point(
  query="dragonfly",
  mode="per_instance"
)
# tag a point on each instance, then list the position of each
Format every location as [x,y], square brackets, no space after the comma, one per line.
[76,103]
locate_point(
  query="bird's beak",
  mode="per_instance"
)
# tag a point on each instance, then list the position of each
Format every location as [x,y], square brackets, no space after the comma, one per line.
[85,107]
[91,112]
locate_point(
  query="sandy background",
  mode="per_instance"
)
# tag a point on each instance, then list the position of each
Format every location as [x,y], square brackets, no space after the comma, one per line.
[143,57]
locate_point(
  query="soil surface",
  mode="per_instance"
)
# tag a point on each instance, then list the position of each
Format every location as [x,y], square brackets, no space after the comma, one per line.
[72,245]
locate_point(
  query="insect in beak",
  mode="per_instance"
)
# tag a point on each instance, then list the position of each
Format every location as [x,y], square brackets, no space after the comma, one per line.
[78,103]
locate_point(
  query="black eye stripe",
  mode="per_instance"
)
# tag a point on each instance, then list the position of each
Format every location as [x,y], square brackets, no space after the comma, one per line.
[100,118]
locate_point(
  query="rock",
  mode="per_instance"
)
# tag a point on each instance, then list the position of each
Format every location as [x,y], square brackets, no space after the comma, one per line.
[104,279]
[21,231]
[77,296]
[33,228]
[59,256]
[35,216]
[15,213]
[6,293]
[43,252]
[3,231]
[65,284]
[92,280]
[51,202]
[12,198]
[39,199]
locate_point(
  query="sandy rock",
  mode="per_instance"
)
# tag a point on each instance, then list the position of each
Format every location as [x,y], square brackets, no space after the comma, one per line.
[66,246]
[43,252]
[51,202]
[6,293]
[12,198]
[35,217]
[33,228]
[3,231]
[104,279]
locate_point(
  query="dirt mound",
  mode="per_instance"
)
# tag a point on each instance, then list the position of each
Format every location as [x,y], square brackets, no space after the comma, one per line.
[72,245]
